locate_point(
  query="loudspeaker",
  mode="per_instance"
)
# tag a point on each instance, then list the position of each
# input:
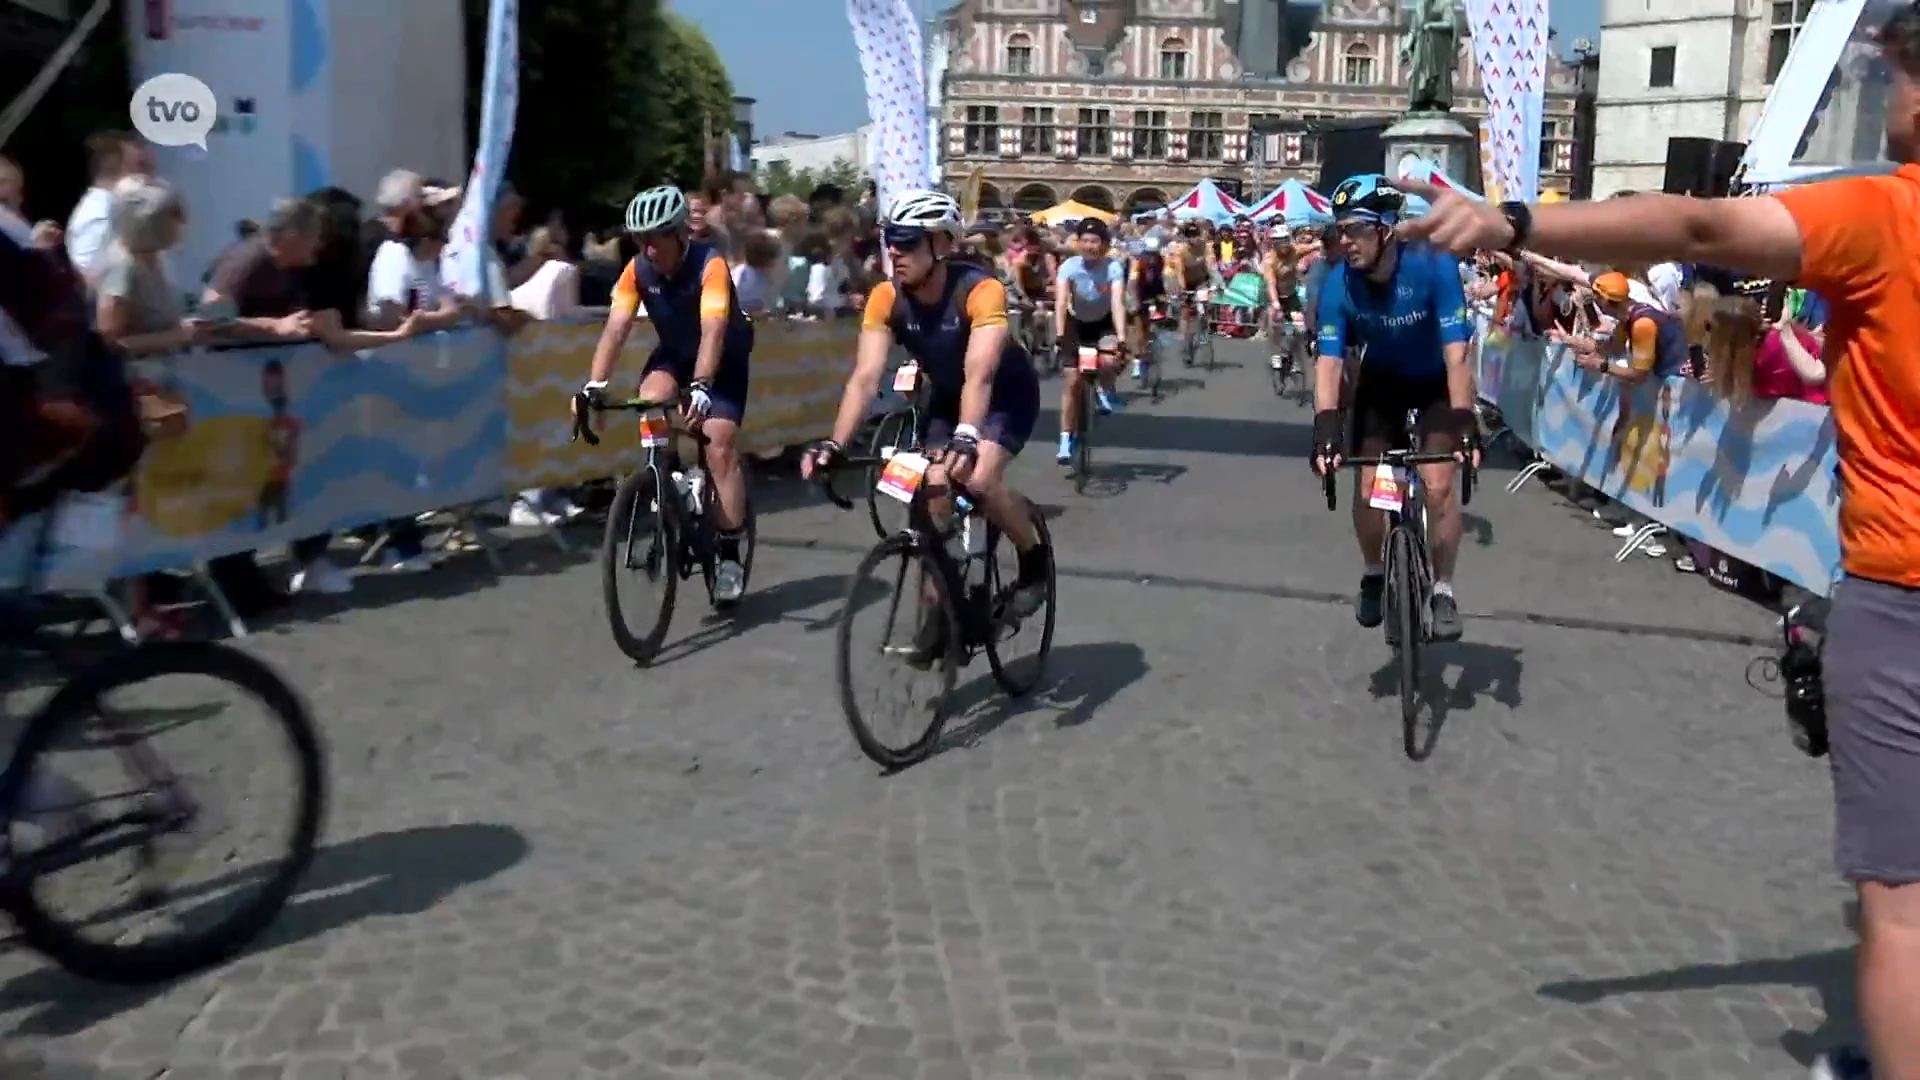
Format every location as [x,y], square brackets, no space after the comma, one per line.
[1689,165]
[1348,148]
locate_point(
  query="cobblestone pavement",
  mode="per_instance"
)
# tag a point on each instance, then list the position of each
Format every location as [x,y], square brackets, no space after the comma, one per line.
[1199,853]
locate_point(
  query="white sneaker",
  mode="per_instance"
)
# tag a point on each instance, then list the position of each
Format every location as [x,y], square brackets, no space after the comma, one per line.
[523,516]
[729,582]
[321,577]
[1624,531]
[569,510]
[415,565]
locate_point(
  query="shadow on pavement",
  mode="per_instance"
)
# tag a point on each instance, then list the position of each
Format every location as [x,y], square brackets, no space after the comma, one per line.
[1079,679]
[406,872]
[1114,478]
[763,607]
[1476,668]
[1829,974]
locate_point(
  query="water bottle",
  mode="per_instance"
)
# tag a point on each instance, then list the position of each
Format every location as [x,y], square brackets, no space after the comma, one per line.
[973,537]
[694,489]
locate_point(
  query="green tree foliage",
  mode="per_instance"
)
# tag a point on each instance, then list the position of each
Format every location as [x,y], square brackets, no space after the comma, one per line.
[612,98]
[780,178]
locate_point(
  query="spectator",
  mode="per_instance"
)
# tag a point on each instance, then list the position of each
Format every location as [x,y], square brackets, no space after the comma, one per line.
[753,279]
[404,279]
[1654,341]
[699,218]
[262,286]
[823,198]
[110,156]
[337,278]
[1750,357]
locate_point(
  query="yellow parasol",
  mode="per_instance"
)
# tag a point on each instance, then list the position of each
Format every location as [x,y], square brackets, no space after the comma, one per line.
[1071,211]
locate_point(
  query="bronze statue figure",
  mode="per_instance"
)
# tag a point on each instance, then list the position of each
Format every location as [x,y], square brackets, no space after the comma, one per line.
[1430,52]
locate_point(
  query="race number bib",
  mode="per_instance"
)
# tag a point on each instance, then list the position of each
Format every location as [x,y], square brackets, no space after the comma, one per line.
[653,429]
[1385,494]
[1089,359]
[906,378]
[900,477]
[88,522]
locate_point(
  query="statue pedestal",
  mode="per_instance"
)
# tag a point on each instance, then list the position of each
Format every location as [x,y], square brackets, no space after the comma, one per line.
[1436,137]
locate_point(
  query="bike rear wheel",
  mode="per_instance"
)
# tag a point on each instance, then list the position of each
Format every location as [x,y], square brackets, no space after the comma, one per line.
[1083,444]
[641,547]
[1019,677]
[898,430]
[77,718]
[886,570]
[1404,601]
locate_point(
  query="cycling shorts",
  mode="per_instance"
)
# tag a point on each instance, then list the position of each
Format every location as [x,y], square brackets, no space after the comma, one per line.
[1013,410]
[729,383]
[1377,414]
[1087,334]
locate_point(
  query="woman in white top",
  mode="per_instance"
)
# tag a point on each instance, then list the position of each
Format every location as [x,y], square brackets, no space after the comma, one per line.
[405,277]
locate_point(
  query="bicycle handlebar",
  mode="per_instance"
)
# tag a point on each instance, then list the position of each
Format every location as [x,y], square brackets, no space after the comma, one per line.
[582,416]
[1402,457]
[824,477]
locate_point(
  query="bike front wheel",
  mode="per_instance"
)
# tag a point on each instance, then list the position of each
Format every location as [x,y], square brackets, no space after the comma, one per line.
[640,554]
[152,817]
[906,585]
[899,431]
[1405,601]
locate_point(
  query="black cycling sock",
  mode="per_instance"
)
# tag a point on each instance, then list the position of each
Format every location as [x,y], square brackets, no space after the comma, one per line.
[727,545]
[1033,564]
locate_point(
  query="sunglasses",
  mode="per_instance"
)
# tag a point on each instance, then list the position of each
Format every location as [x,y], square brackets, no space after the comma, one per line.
[1357,230]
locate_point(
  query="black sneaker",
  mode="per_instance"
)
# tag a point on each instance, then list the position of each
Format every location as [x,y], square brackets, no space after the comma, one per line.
[1030,589]
[1446,618]
[930,641]
[1366,607]
[1846,1063]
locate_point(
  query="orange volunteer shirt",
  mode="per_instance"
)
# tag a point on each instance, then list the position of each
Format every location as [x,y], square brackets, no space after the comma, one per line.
[1858,239]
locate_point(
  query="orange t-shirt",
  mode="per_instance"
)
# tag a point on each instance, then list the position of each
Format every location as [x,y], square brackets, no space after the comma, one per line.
[1858,237]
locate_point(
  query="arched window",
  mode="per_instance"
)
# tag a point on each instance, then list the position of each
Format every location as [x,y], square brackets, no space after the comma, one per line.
[1019,55]
[1359,70]
[1173,59]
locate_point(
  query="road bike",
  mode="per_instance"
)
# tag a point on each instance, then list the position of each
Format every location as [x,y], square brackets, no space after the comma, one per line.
[1197,339]
[150,818]
[1157,319]
[1395,488]
[899,431]
[968,590]
[1089,361]
[660,525]
[1288,364]
[1036,334]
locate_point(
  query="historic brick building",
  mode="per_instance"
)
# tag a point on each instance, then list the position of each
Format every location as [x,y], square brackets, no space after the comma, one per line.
[1122,103]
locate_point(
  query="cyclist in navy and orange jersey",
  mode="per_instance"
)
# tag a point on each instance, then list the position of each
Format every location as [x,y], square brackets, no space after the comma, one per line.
[705,340]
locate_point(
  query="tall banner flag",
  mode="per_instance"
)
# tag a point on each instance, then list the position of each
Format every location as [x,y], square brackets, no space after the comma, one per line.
[472,236]
[1511,51]
[888,37]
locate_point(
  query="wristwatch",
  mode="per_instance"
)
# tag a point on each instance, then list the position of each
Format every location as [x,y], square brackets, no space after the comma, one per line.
[1520,219]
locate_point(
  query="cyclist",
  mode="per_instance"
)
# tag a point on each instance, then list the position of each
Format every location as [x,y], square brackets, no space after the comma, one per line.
[1089,303]
[1400,304]
[952,319]
[1148,282]
[1191,265]
[705,341]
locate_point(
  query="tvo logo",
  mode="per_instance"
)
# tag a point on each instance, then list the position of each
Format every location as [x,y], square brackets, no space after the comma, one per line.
[174,110]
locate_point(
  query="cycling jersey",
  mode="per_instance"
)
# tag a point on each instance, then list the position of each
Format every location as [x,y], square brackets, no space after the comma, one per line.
[1149,276]
[1404,324]
[936,335]
[1030,273]
[700,288]
[1187,269]
[1090,286]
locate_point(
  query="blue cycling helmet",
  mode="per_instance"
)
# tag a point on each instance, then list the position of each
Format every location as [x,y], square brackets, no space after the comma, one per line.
[1369,197]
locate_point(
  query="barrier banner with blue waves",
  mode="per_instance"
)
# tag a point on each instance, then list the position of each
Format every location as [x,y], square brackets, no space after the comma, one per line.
[270,444]
[800,370]
[1756,480]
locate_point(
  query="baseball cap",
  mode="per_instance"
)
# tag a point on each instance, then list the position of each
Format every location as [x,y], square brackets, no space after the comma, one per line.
[1611,287]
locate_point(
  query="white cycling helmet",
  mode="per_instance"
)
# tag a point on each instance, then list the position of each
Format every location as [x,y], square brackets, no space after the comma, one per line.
[656,209]
[925,209]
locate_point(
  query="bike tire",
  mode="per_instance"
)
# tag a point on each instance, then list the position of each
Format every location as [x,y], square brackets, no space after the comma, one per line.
[1403,587]
[1279,377]
[77,703]
[631,500]
[900,430]
[905,547]
[1014,686]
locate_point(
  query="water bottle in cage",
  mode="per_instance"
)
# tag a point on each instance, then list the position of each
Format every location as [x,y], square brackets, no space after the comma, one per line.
[692,491]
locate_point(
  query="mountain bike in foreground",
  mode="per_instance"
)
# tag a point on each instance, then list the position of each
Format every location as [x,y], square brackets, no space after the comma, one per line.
[966,586]
[1395,488]
[64,830]
[660,527]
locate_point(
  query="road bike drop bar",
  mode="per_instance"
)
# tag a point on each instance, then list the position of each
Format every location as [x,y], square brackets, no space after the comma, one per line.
[582,415]
[963,500]
[1403,458]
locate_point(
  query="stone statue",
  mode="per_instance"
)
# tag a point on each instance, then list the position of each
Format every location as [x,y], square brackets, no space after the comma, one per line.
[1429,52]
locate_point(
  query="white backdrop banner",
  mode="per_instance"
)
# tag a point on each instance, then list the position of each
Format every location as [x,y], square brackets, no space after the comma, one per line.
[1511,51]
[499,102]
[888,37]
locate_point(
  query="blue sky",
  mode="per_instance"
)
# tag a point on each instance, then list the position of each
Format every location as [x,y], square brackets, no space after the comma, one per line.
[797,57]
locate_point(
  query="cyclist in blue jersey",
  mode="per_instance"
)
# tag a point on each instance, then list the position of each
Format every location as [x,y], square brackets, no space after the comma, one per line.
[1400,306]
[1090,304]
[704,344]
